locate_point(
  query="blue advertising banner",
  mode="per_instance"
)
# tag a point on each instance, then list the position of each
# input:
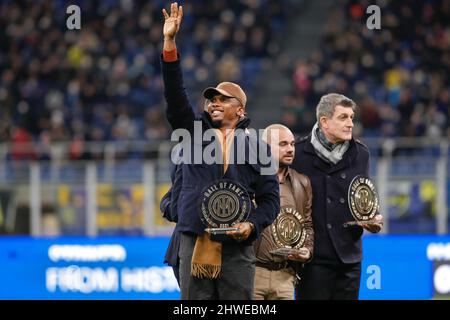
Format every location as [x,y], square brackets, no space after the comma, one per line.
[397,267]
[394,267]
[84,268]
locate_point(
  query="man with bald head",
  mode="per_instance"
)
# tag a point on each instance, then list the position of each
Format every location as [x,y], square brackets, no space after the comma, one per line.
[275,275]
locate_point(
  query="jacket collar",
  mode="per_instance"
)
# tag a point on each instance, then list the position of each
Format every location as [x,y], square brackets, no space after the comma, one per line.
[297,189]
[286,175]
[346,161]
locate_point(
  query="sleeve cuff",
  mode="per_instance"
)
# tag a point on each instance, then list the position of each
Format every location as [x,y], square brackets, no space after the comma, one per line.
[170,56]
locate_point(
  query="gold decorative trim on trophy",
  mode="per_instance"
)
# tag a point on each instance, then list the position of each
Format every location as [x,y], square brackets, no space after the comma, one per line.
[223,204]
[362,200]
[288,232]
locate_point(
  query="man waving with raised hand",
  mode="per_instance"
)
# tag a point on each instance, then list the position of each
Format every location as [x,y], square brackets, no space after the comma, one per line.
[211,266]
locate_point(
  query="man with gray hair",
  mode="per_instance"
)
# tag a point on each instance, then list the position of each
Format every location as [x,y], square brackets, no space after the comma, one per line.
[332,158]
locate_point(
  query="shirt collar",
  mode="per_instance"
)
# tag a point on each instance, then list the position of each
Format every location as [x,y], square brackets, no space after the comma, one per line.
[286,175]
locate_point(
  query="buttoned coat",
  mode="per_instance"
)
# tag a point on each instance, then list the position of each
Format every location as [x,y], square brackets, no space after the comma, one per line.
[334,241]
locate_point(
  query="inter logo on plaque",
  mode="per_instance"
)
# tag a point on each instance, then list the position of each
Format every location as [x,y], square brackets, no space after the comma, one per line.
[288,231]
[223,204]
[363,199]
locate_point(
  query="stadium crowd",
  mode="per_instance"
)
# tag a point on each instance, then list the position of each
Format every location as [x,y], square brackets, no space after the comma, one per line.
[102,82]
[399,74]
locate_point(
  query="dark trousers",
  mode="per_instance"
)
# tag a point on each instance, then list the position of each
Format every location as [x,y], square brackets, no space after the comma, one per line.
[176,273]
[329,282]
[236,278]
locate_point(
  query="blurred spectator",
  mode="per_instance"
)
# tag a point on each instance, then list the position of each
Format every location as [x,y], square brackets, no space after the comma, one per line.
[102,82]
[22,147]
[398,74]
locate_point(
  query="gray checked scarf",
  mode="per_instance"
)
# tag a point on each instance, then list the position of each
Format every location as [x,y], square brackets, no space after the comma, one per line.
[329,152]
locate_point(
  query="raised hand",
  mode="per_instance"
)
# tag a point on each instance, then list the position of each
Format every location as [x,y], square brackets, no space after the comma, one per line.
[172,22]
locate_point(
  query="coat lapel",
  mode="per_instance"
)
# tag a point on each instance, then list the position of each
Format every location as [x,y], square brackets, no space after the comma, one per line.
[346,161]
[317,162]
[348,158]
[296,190]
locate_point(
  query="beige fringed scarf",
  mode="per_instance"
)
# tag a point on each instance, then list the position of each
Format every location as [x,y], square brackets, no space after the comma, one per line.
[207,256]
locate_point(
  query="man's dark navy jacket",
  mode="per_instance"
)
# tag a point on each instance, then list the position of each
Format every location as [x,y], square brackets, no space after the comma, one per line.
[333,241]
[262,188]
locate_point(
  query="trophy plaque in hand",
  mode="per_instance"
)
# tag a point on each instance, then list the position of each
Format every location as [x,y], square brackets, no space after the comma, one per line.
[223,204]
[363,201]
[284,252]
[288,232]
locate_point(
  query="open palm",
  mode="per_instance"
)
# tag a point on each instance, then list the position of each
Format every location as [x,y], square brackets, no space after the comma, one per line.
[172,22]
